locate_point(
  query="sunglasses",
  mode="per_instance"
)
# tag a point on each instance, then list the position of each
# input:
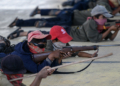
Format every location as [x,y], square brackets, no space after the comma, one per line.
[40,45]
[43,40]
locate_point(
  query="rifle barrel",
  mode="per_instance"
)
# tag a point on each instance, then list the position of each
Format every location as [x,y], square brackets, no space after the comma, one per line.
[95,45]
[109,45]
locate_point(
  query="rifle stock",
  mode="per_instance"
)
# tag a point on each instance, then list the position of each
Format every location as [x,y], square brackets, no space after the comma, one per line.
[37,58]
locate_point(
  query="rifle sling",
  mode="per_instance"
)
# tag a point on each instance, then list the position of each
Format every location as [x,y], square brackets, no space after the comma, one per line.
[58,72]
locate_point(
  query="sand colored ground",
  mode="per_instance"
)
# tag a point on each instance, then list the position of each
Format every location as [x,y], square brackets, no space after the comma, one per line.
[102,72]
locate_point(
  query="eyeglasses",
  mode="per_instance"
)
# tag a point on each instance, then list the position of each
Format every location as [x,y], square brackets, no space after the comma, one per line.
[40,45]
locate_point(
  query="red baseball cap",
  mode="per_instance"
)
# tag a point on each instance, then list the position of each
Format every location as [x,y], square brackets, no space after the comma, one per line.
[60,33]
[38,35]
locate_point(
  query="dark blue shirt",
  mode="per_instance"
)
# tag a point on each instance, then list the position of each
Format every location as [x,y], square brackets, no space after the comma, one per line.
[22,50]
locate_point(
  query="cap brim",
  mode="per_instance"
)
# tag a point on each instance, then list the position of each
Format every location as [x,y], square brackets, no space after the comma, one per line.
[65,38]
[108,15]
[53,37]
[47,36]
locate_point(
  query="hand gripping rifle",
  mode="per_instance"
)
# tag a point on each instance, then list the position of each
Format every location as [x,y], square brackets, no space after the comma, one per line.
[40,57]
[37,58]
[105,27]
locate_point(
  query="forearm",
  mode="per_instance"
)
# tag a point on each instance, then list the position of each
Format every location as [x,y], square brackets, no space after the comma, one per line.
[36,81]
[42,74]
[116,11]
[105,34]
[84,54]
[43,64]
[105,27]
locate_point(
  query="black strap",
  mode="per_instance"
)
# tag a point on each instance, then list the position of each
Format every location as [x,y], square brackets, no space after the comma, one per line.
[57,72]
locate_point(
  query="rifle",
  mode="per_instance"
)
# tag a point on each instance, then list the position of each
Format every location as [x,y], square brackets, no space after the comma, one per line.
[105,27]
[37,58]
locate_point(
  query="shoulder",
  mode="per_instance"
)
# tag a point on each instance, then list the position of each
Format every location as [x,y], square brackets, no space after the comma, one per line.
[89,25]
[49,46]
[90,22]
[83,13]
[21,43]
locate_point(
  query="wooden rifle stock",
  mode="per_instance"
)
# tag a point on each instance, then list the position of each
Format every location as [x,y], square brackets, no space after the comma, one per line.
[37,58]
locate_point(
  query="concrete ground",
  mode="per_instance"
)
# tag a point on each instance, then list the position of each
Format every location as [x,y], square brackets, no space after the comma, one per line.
[102,72]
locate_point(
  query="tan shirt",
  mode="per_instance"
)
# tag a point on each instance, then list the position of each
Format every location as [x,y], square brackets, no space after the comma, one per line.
[81,16]
[87,32]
